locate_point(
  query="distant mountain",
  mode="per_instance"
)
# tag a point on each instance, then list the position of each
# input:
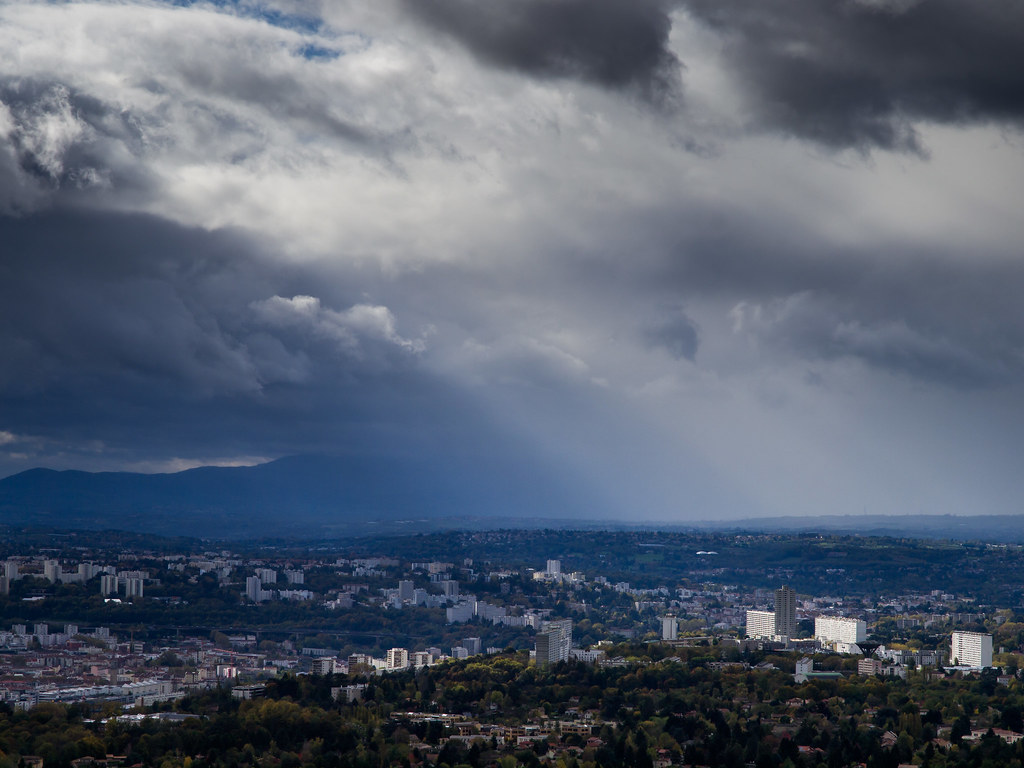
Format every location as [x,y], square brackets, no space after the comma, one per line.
[994,528]
[325,496]
[304,496]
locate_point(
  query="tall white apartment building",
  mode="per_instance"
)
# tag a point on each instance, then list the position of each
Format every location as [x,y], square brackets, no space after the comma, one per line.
[669,628]
[254,589]
[133,587]
[838,629]
[108,584]
[554,642]
[398,658]
[86,571]
[554,568]
[971,649]
[760,624]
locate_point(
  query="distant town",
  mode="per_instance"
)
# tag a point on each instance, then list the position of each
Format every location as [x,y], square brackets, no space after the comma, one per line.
[181,622]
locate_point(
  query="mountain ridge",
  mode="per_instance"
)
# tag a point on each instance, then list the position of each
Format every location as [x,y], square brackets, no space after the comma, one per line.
[335,496]
[293,495]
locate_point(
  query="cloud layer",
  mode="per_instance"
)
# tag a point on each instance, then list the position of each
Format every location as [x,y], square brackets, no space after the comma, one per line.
[618,44]
[865,73]
[695,259]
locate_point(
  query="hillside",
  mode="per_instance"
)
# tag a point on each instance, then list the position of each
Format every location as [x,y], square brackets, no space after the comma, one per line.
[295,496]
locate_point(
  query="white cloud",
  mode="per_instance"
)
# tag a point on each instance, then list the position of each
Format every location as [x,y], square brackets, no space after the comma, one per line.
[346,328]
[180,464]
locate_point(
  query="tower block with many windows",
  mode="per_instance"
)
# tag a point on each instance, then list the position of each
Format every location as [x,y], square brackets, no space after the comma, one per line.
[785,612]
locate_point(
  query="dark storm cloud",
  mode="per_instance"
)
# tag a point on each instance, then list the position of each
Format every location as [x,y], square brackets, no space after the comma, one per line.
[114,325]
[860,73]
[926,313]
[94,297]
[130,340]
[611,43]
[820,327]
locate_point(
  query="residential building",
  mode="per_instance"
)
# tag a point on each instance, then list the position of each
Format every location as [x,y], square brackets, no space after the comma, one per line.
[51,570]
[460,612]
[869,667]
[133,587]
[971,649]
[324,665]
[406,591]
[554,642]
[669,627]
[108,584]
[761,624]
[419,658]
[254,589]
[785,612]
[398,658]
[838,629]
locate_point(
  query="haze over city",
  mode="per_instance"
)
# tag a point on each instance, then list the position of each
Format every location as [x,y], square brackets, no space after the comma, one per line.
[652,259]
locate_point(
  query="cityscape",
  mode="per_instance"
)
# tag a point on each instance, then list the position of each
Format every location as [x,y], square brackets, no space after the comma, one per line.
[332,613]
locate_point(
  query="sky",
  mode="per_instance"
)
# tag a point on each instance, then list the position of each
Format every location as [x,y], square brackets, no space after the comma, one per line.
[684,259]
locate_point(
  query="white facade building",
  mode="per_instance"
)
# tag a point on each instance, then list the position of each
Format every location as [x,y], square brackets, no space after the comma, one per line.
[554,642]
[324,665]
[266,575]
[108,584]
[254,589]
[761,624]
[840,630]
[971,649]
[133,587]
[669,628]
[398,658]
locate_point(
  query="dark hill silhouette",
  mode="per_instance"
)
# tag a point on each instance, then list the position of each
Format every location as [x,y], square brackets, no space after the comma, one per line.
[297,496]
